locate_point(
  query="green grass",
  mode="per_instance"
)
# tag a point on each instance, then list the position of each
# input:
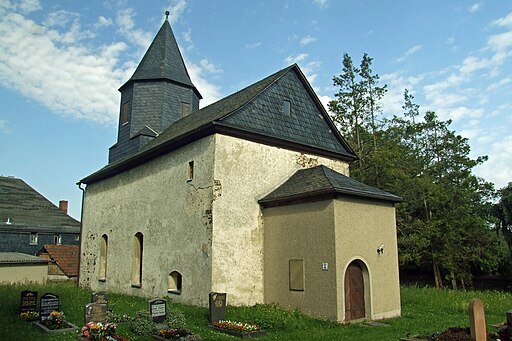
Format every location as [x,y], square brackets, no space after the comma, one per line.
[424,311]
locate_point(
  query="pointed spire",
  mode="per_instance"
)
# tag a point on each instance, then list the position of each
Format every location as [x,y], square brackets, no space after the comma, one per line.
[163,60]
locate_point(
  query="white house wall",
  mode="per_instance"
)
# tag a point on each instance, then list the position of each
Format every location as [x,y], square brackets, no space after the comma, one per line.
[245,172]
[173,214]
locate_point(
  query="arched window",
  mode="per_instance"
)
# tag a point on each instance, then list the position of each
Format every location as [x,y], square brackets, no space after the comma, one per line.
[103,258]
[137,260]
[175,281]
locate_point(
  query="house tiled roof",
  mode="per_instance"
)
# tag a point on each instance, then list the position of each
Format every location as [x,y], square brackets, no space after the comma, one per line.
[21,205]
[222,116]
[65,256]
[320,181]
[163,60]
[19,258]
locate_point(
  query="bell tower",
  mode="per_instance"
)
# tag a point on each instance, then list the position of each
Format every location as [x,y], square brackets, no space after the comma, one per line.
[158,94]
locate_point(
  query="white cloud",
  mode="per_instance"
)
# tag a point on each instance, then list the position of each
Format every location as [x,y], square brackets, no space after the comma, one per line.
[505,21]
[209,91]
[253,45]
[126,26]
[397,83]
[475,7]
[321,3]
[409,53]
[292,59]
[209,67]
[498,169]
[187,36]
[176,9]
[325,101]
[103,22]
[307,40]
[3,126]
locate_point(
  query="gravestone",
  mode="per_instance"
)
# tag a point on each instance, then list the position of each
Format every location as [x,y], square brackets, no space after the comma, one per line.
[477,320]
[99,297]
[217,306]
[48,303]
[28,301]
[158,310]
[95,312]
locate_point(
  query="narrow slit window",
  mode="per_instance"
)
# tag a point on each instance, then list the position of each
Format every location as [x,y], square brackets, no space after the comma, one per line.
[57,238]
[185,109]
[190,174]
[103,257]
[125,112]
[33,238]
[296,275]
[287,108]
[138,240]
[175,282]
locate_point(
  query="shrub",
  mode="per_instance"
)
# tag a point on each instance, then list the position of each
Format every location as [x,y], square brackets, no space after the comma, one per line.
[142,323]
[176,319]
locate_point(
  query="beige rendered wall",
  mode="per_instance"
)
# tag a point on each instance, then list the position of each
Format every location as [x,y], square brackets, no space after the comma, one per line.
[302,231]
[173,214]
[245,172]
[361,227]
[24,273]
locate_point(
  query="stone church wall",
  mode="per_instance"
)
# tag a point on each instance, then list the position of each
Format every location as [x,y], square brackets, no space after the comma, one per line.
[173,214]
[245,172]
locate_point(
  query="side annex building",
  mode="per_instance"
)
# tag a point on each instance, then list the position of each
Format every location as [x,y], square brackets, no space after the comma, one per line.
[249,196]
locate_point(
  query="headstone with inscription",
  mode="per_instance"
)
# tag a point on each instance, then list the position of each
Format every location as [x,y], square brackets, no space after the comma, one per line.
[99,297]
[95,312]
[47,303]
[477,320]
[28,301]
[217,306]
[158,310]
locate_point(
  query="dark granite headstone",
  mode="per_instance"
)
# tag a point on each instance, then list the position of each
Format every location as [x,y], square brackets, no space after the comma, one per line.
[95,312]
[217,306]
[99,297]
[158,310]
[28,301]
[48,303]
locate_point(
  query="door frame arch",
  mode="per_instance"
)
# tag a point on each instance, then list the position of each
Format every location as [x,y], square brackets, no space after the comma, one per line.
[368,298]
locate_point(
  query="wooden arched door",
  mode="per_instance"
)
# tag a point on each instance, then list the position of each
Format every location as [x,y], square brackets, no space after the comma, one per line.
[354,292]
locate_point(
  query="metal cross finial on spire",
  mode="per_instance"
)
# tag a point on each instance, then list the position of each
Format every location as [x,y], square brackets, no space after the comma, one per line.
[166,15]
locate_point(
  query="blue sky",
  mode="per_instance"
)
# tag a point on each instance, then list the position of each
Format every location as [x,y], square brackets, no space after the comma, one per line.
[61,63]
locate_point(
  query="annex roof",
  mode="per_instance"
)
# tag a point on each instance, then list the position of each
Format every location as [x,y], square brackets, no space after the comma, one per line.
[219,118]
[21,205]
[321,181]
[65,256]
[163,60]
[19,258]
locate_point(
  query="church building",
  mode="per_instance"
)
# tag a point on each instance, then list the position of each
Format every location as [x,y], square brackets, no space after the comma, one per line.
[249,196]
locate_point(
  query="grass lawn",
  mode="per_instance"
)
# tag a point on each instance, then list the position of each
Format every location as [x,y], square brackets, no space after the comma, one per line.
[424,311]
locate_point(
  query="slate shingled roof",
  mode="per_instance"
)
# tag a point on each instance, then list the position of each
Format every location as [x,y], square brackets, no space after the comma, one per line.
[19,258]
[215,118]
[65,256]
[22,205]
[320,181]
[163,60]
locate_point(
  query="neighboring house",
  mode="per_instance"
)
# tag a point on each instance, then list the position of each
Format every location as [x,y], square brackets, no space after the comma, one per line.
[28,220]
[63,261]
[18,267]
[248,196]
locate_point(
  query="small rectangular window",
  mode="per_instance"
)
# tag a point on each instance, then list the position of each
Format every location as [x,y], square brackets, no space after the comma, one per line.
[287,108]
[185,109]
[33,238]
[296,275]
[190,170]
[57,238]
[125,113]
[77,238]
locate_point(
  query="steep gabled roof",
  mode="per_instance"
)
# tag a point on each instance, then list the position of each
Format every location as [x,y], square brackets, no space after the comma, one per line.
[163,60]
[216,118]
[65,256]
[322,181]
[24,206]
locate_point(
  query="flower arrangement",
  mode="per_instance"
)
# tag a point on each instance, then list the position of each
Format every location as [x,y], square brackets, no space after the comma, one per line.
[54,321]
[99,331]
[236,326]
[29,315]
